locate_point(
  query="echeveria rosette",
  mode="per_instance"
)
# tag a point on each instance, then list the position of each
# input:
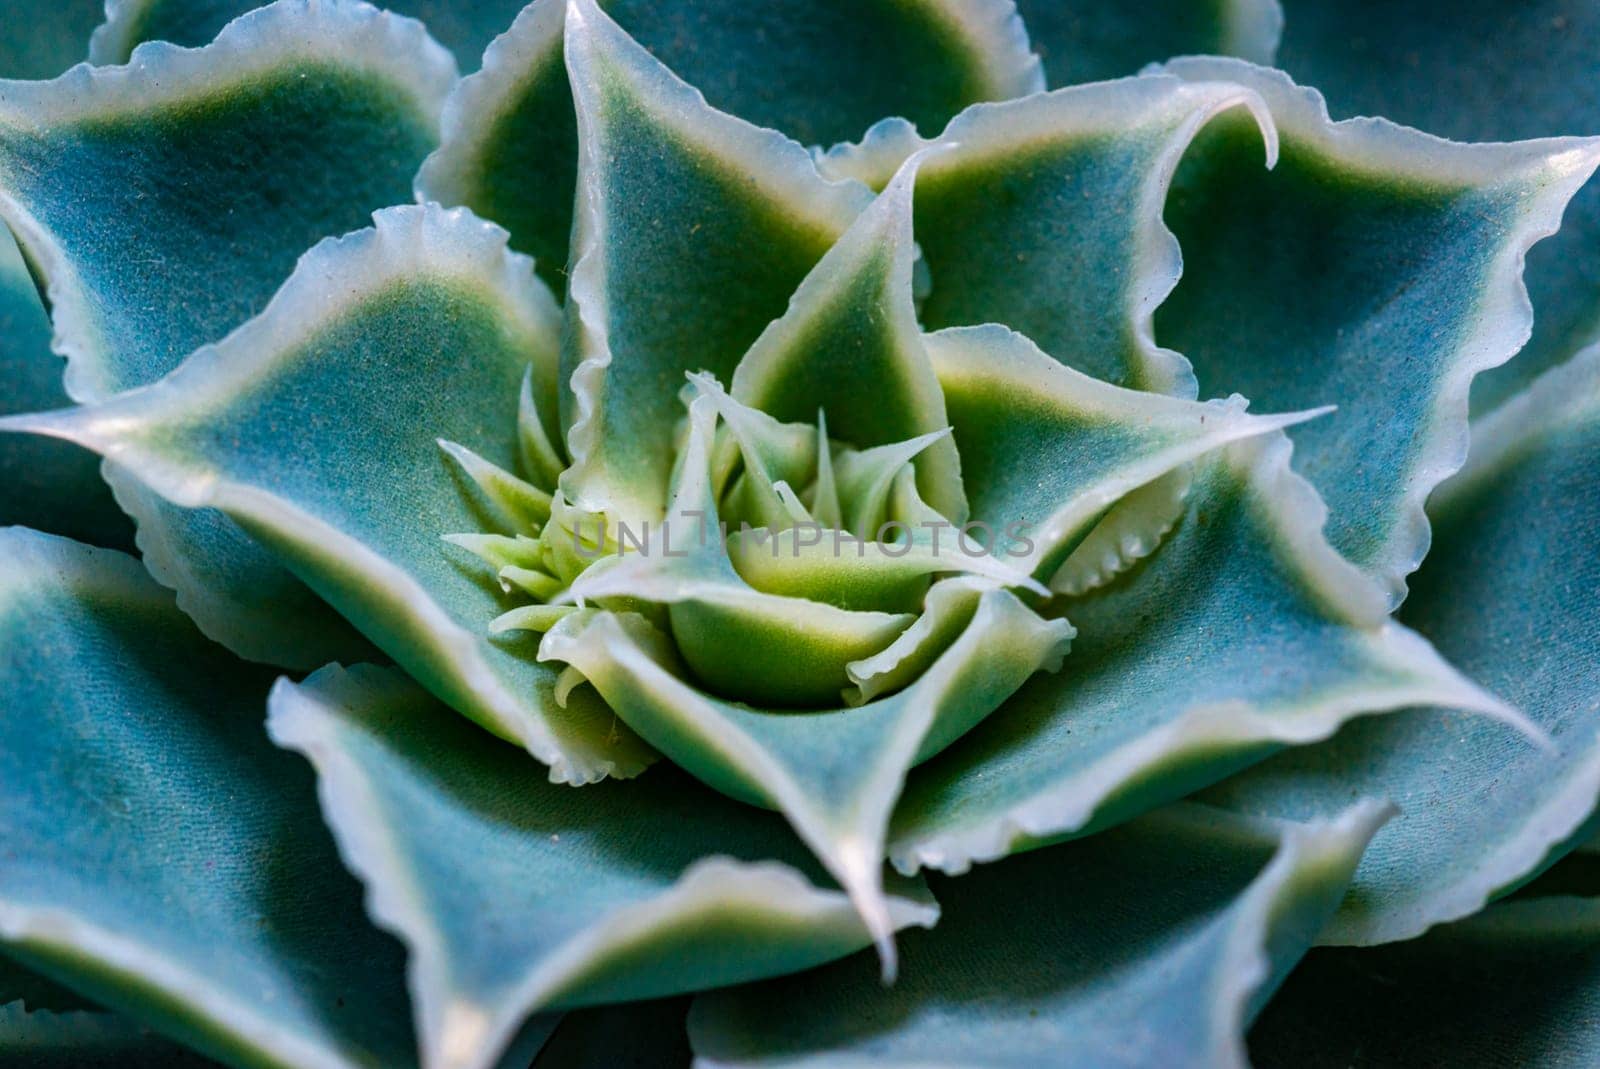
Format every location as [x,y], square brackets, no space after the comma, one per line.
[698,487]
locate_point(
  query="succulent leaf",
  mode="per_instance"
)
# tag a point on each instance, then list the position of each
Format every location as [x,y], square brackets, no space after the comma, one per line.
[1092,40]
[1480,813]
[1518,984]
[381,342]
[46,1026]
[849,347]
[799,66]
[233,587]
[31,991]
[819,71]
[463,26]
[50,485]
[508,147]
[170,863]
[853,382]
[474,867]
[41,43]
[1477,71]
[834,773]
[1154,944]
[1050,449]
[1374,268]
[720,694]
[333,105]
[1046,215]
[1244,633]
[669,189]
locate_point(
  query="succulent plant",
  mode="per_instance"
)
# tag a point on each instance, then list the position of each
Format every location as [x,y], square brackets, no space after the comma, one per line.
[701,538]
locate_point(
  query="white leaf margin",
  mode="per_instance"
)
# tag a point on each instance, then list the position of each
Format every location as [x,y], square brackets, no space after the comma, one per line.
[1058,812]
[348,34]
[455,1034]
[1555,168]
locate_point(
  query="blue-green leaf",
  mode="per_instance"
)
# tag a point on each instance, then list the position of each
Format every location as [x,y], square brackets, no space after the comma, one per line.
[1091,40]
[1045,215]
[508,147]
[693,231]
[1374,268]
[1046,450]
[332,105]
[742,693]
[849,347]
[463,26]
[46,1026]
[819,71]
[1517,985]
[234,588]
[1244,632]
[1511,594]
[815,70]
[834,773]
[1154,944]
[1476,70]
[380,344]
[162,203]
[162,857]
[515,896]
[51,485]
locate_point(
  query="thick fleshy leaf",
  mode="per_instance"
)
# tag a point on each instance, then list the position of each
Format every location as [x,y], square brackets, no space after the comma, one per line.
[1091,40]
[1046,450]
[51,485]
[1511,594]
[1478,70]
[1243,633]
[693,231]
[163,858]
[1374,268]
[332,104]
[813,69]
[819,71]
[1046,216]
[464,26]
[834,773]
[1154,944]
[234,588]
[163,203]
[1518,985]
[380,344]
[508,147]
[475,867]
[849,346]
